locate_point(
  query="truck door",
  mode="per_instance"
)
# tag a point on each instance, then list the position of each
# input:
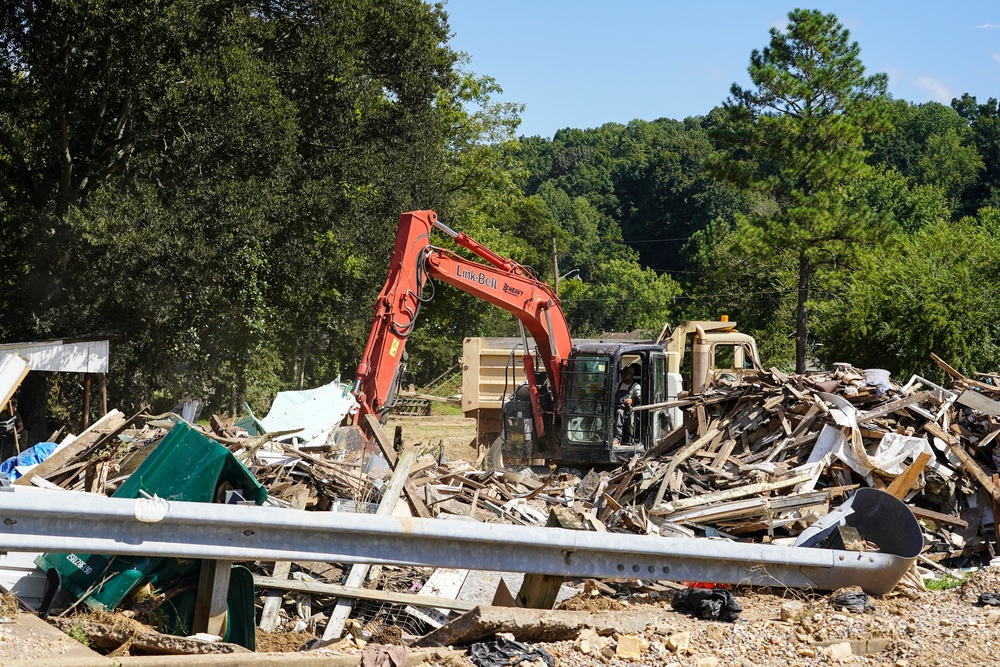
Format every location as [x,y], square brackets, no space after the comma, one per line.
[660,420]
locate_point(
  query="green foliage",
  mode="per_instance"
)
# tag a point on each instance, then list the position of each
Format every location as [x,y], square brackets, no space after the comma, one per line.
[936,293]
[944,583]
[755,289]
[984,123]
[930,145]
[80,635]
[623,298]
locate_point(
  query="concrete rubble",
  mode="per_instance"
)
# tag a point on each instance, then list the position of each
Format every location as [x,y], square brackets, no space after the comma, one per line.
[758,459]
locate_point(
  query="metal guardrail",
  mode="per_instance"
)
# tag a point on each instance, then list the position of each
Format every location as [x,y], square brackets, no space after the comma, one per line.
[60,521]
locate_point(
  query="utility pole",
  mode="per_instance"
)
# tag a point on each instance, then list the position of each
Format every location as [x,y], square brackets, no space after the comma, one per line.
[555,267]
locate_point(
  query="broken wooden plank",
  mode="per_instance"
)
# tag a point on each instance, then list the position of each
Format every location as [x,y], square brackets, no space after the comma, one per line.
[904,482]
[968,462]
[730,494]
[893,406]
[413,494]
[667,442]
[358,593]
[335,626]
[958,376]
[679,458]
[976,401]
[56,461]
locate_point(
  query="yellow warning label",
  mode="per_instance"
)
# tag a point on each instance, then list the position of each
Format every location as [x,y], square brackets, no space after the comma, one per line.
[394,348]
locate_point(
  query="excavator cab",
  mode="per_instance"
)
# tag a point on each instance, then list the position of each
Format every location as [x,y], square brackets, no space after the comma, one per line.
[581,427]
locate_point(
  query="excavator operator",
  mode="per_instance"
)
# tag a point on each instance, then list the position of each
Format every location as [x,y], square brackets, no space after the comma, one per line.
[627,395]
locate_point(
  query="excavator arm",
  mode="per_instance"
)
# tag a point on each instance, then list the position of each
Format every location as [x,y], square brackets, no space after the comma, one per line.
[500,281]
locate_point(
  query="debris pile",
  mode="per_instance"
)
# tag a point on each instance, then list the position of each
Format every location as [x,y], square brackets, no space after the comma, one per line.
[758,458]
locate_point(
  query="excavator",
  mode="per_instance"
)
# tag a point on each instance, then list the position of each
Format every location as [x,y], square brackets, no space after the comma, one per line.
[565,411]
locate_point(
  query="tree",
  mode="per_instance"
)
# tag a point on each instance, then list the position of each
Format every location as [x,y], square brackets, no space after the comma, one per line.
[937,293]
[929,144]
[984,121]
[220,180]
[796,137]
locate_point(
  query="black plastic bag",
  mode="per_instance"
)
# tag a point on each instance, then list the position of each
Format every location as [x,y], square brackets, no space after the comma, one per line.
[853,601]
[989,598]
[713,604]
[502,652]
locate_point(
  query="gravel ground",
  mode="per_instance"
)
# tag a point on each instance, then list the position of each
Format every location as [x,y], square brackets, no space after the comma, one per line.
[928,628]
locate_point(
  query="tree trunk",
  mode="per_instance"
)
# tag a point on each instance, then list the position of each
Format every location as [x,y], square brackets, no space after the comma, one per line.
[801,328]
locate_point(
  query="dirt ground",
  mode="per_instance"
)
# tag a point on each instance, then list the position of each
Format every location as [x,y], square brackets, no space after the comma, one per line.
[457,434]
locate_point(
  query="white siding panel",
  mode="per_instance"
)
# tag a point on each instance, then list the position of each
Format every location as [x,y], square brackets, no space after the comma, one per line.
[83,357]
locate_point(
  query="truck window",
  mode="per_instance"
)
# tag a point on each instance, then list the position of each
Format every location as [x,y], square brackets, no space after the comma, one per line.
[725,356]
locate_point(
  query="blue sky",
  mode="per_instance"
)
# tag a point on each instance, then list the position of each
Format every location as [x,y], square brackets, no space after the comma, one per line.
[583,63]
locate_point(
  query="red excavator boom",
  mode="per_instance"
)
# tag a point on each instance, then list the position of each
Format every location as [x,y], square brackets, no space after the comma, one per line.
[502,282]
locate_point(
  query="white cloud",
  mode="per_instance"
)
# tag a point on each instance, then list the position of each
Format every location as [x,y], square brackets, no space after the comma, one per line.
[989,26]
[996,57]
[936,89]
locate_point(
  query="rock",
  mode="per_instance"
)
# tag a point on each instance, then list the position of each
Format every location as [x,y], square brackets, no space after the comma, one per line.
[807,652]
[588,640]
[706,661]
[839,652]
[792,611]
[630,646]
[661,629]
[715,633]
[679,642]
[993,618]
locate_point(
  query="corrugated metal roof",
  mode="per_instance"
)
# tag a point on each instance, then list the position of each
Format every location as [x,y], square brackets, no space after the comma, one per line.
[313,410]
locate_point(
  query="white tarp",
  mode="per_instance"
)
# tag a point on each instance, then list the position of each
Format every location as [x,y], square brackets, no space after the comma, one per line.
[315,411]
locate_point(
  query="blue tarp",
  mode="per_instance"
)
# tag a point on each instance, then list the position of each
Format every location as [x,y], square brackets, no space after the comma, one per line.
[29,457]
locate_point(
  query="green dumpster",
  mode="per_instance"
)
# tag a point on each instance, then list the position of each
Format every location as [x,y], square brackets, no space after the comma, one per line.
[184,466]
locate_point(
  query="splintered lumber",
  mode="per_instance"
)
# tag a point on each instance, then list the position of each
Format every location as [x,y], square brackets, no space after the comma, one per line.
[335,626]
[741,509]
[967,461]
[977,401]
[902,484]
[272,602]
[320,588]
[413,495]
[680,457]
[893,406]
[732,494]
[958,376]
[211,605]
[667,442]
[946,519]
[99,429]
